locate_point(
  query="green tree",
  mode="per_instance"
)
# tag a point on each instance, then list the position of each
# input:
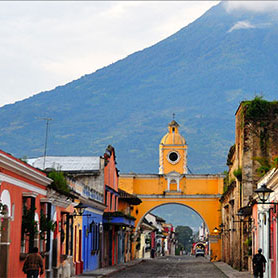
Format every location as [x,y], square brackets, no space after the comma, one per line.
[184,236]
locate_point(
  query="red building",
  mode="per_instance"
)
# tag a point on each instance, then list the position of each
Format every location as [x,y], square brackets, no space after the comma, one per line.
[110,252]
[21,189]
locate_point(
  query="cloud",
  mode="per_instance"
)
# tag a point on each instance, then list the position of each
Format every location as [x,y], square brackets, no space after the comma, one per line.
[50,43]
[251,6]
[242,25]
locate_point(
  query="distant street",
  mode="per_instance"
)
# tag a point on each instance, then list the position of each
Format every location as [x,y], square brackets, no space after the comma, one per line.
[164,267]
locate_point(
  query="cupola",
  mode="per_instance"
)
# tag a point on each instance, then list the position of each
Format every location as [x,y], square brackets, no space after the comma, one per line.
[173,151]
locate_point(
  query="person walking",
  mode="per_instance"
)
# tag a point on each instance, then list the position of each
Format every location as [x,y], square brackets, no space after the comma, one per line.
[259,262]
[33,264]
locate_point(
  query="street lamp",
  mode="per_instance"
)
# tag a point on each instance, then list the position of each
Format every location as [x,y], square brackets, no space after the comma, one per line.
[264,193]
[80,209]
[221,230]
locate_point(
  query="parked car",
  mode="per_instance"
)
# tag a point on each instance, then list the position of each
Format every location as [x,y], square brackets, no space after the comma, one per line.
[200,252]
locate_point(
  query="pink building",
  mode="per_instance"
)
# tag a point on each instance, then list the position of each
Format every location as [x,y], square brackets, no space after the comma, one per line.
[21,189]
[265,224]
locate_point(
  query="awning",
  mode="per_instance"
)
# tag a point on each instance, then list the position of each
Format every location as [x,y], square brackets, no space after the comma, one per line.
[118,218]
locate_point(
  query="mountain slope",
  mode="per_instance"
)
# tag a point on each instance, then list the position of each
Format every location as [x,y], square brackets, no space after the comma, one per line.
[201,73]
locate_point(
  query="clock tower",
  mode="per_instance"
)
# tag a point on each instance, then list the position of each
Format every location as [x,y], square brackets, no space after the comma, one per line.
[173,151]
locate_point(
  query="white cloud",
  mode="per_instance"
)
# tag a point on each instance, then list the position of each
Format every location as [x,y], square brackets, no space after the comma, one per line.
[242,25]
[251,6]
[49,43]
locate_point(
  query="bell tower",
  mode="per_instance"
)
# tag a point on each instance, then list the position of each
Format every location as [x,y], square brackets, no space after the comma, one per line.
[173,151]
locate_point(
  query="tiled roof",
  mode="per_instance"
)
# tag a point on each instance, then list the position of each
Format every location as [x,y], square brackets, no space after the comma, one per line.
[67,163]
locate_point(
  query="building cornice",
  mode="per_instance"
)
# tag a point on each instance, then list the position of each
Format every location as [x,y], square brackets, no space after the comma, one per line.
[93,204]
[188,176]
[161,196]
[133,175]
[23,170]
[203,176]
[22,184]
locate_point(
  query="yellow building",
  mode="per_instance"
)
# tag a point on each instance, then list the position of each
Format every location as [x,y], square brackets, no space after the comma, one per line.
[173,185]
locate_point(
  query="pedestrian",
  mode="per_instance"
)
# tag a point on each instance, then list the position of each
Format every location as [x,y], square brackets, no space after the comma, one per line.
[259,262]
[33,264]
[152,253]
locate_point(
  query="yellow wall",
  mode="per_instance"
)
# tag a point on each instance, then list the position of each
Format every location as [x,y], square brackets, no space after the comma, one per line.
[77,225]
[199,192]
[169,167]
[157,184]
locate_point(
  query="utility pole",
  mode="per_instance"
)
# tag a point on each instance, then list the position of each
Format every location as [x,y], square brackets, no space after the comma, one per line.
[46,137]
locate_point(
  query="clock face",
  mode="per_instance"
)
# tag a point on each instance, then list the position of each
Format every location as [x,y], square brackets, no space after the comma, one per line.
[173,157]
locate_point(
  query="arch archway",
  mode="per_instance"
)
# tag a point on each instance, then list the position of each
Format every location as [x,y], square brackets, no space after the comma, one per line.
[201,193]
[169,204]
[6,200]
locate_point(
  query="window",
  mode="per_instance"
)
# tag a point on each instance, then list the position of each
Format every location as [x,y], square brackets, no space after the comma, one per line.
[28,226]
[94,227]
[106,198]
[116,203]
[66,234]
[111,201]
[43,222]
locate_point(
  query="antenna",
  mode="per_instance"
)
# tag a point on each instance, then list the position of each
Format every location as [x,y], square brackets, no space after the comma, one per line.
[174,115]
[46,137]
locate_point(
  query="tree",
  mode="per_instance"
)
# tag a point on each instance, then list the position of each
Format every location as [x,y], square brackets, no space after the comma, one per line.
[184,235]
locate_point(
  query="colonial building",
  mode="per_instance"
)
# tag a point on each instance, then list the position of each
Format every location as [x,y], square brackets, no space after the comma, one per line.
[22,190]
[126,205]
[169,244]
[256,145]
[265,223]
[77,239]
[118,223]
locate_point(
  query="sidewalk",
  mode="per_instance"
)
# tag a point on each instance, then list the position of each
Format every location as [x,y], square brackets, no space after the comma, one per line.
[103,272]
[231,272]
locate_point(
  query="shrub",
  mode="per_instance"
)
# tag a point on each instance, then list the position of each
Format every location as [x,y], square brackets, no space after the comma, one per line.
[59,181]
[238,174]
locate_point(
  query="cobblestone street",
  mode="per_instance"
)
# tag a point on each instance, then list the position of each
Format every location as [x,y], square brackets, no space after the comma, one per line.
[163,267]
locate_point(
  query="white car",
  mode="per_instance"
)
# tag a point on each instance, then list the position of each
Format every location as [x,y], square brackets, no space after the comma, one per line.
[200,252]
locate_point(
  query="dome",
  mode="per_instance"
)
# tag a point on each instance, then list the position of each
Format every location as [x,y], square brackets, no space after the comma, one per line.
[173,136]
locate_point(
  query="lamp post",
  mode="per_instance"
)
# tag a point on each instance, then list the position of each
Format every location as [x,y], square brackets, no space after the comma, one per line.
[80,208]
[263,194]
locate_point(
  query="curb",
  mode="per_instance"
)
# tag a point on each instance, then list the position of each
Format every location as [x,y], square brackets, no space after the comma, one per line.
[113,269]
[231,272]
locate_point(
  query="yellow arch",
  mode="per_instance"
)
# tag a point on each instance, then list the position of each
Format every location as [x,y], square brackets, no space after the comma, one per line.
[198,192]
[173,184]
[139,220]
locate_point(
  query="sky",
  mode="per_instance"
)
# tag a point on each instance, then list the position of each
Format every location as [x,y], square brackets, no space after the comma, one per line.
[45,44]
